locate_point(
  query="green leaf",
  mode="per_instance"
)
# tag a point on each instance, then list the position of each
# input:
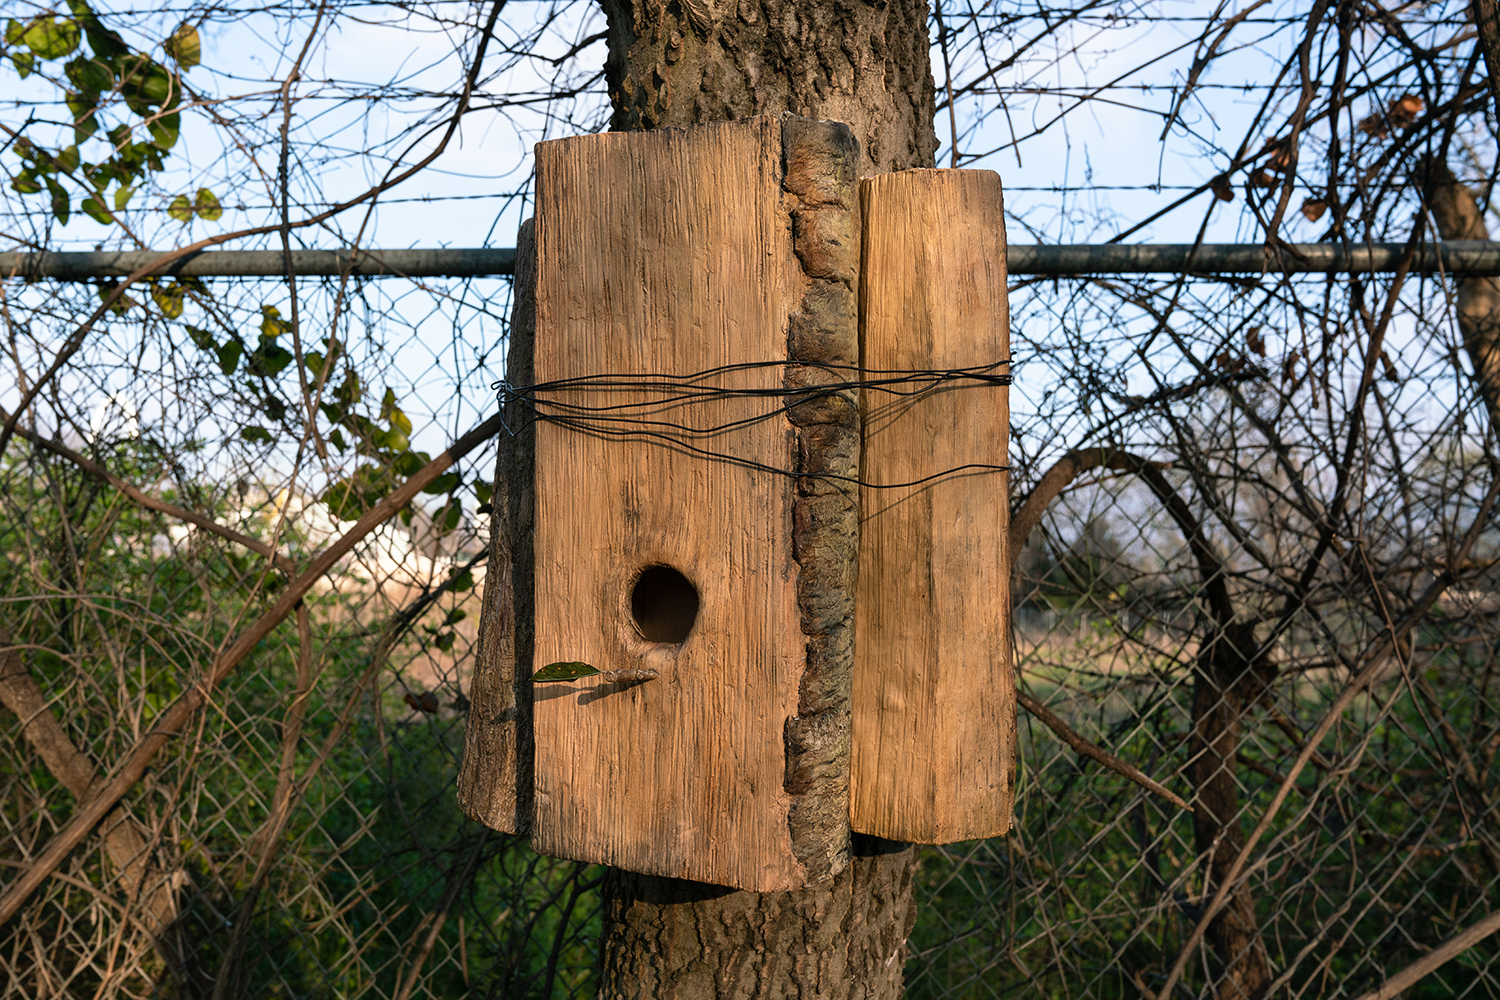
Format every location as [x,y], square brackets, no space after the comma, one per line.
[122,197]
[570,670]
[442,484]
[464,581]
[269,358]
[206,205]
[164,130]
[22,61]
[180,209]
[51,38]
[454,514]
[94,209]
[271,323]
[229,356]
[400,421]
[393,440]
[82,108]
[184,46]
[60,203]
[255,433]
[25,182]
[91,76]
[409,463]
[67,160]
[168,298]
[456,615]
[337,437]
[145,84]
[445,641]
[202,338]
[13,31]
[122,304]
[484,491]
[348,498]
[275,408]
[107,45]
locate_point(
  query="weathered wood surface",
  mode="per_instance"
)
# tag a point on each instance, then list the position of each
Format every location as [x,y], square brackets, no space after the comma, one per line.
[934,701]
[674,252]
[494,782]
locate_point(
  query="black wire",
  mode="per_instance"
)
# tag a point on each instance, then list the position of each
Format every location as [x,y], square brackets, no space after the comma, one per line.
[629,420]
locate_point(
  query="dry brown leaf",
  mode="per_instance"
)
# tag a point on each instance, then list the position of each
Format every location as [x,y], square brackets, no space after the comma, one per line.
[1404,110]
[1221,188]
[1261,179]
[1399,114]
[1313,209]
[1281,155]
[1227,362]
[427,701]
[1254,341]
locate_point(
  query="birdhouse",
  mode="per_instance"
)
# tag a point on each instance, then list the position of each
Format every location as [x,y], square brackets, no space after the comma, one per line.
[671,659]
[695,513]
[934,685]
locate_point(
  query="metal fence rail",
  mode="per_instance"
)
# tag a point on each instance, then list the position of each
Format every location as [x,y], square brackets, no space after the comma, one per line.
[1466,257]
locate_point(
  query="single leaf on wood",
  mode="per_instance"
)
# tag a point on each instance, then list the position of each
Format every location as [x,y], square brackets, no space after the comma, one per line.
[568,670]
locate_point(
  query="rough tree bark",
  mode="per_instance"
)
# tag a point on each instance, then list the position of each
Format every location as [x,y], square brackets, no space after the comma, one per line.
[1459,217]
[1229,679]
[685,62]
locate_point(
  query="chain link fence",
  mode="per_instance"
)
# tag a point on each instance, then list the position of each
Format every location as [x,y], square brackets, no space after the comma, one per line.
[1256,594]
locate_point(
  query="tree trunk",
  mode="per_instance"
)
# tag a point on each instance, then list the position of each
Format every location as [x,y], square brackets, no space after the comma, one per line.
[1227,684]
[686,62]
[1458,217]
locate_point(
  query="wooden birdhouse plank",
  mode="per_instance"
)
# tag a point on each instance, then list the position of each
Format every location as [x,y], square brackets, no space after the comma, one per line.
[668,254]
[934,698]
[494,781]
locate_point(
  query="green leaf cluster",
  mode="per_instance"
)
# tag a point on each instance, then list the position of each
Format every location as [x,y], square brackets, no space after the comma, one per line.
[110,73]
[385,441]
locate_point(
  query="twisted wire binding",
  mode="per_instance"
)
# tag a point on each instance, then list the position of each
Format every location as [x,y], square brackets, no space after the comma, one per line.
[629,419]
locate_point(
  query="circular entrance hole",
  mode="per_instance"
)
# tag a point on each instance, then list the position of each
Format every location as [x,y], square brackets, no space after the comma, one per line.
[664,604]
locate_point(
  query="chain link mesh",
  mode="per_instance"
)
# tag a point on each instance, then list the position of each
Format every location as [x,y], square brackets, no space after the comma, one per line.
[1239,495]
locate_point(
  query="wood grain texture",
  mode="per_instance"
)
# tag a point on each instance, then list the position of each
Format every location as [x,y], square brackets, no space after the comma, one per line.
[495,780]
[670,252]
[934,695]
